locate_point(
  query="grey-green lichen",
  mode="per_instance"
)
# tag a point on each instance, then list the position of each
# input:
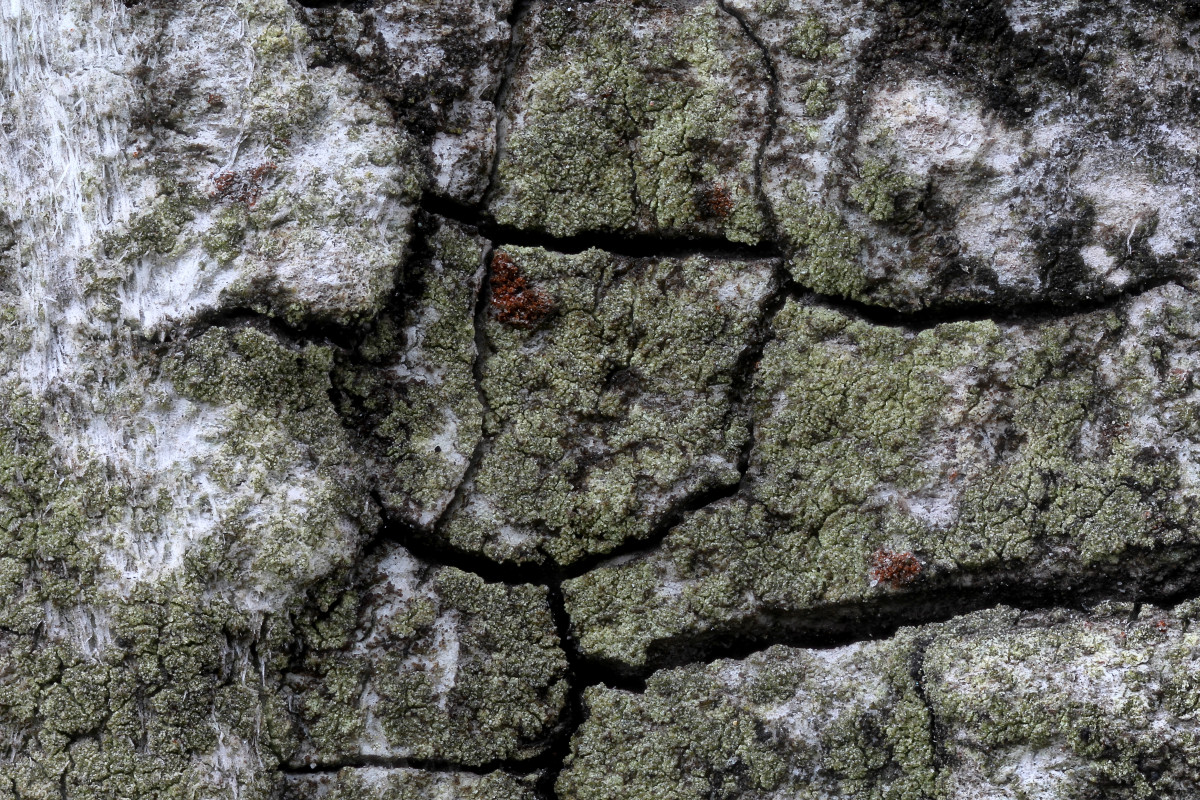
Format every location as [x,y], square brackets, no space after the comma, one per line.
[879,187]
[826,249]
[174,496]
[1002,188]
[195,599]
[377,783]
[108,698]
[1053,705]
[280,433]
[614,408]
[1030,454]
[139,626]
[620,116]
[804,724]
[304,212]
[413,384]
[449,668]
[810,38]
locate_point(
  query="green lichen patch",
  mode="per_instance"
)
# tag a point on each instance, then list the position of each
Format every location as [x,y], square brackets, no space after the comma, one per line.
[139,626]
[148,699]
[939,135]
[1054,704]
[1061,705]
[880,188]
[412,386]
[254,181]
[375,783]
[620,115]
[804,724]
[825,248]
[288,498]
[441,78]
[416,662]
[614,409]
[982,454]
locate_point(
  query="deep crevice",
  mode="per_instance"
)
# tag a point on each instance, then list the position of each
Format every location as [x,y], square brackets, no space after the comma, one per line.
[519,767]
[1032,312]
[581,675]
[632,245]
[863,621]
[431,546]
[937,736]
[330,3]
[342,337]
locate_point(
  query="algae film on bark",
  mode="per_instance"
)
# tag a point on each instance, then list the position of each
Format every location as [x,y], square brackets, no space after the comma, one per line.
[529,399]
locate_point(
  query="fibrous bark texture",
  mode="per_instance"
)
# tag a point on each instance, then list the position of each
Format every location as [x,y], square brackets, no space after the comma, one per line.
[607,400]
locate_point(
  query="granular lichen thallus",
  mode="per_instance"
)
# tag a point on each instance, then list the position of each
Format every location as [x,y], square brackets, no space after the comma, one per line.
[894,569]
[514,302]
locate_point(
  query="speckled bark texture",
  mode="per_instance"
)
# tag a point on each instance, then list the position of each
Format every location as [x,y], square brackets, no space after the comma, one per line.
[631,399]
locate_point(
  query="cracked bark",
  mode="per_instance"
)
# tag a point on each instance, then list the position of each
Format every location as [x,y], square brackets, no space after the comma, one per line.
[263,323]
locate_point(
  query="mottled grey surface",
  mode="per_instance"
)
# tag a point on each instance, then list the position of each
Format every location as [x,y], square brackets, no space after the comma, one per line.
[653,399]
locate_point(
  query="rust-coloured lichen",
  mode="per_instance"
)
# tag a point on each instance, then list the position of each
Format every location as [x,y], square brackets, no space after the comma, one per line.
[715,202]
[894,569]
[513,301]
[242,187]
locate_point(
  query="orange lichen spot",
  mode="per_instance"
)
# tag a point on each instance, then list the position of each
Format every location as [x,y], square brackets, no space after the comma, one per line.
[215,99]
[715,202]
[894,569]
[513,301]
[1161,625]
[242,187]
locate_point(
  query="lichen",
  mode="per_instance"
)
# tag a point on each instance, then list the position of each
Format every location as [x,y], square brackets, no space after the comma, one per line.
[810,39]
[453,669]
[413,386]
[612,410]
[1058,704]
[853,719]
[377,783]
[827,250]
[879,188]
[600,142]
[989,454]
[998,190]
